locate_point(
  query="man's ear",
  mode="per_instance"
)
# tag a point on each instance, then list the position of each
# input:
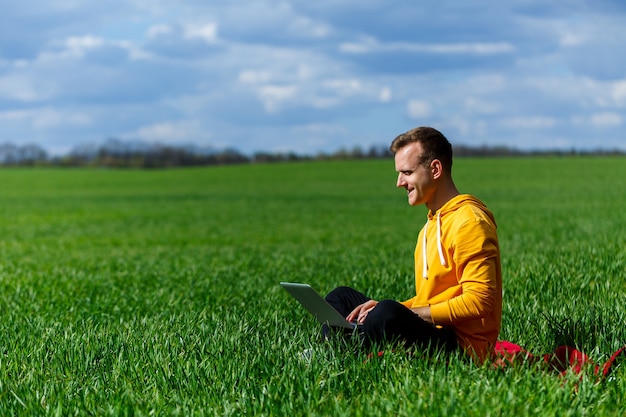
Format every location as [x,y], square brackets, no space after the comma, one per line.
[436,168]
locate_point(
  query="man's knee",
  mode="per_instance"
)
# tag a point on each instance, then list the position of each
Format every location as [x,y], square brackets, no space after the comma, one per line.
[388,314]
[387,310]
[339,291]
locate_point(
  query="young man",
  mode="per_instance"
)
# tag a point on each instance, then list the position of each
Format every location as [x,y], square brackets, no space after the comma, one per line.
[458,279]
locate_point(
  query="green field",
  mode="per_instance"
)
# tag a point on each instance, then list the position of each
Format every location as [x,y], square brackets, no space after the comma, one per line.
[156,292]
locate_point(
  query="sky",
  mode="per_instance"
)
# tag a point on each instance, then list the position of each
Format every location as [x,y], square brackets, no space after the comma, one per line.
[313,76]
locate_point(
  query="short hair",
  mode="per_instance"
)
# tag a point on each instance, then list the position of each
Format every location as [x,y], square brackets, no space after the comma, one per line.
[434,145]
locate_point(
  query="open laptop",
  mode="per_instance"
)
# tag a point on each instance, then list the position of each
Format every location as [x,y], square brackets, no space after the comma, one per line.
[312,301]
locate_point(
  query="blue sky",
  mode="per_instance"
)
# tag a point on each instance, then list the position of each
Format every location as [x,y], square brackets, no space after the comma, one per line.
[313,77]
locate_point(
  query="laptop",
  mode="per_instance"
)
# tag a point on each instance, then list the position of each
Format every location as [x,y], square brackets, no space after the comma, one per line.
[312,301]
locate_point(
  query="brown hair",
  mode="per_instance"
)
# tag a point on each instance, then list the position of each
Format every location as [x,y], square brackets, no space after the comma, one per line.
[434,145]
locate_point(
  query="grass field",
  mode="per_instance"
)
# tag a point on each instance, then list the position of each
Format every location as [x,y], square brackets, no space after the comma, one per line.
[156,292]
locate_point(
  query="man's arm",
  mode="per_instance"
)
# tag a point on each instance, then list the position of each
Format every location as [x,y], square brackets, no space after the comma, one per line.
[424,313]
[476,257]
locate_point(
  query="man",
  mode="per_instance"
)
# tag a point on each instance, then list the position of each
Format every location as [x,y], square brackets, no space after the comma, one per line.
[458,279]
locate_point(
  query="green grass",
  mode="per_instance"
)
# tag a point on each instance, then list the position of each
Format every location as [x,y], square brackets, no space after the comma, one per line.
[156,292]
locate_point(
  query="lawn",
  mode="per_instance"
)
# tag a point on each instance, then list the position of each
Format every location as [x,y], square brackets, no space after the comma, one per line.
[128,292]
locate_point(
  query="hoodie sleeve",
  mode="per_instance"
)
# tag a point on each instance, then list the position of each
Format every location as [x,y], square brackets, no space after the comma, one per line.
[408,303]
[475,258]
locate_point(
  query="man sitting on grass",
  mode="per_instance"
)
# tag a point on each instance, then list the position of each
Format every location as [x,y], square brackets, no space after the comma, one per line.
[458,279]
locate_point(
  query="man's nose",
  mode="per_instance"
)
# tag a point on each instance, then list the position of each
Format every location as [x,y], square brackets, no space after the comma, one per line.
[400,183]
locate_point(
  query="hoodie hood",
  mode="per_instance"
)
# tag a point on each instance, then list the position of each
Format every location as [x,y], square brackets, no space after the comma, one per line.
[452,205]
[459,201]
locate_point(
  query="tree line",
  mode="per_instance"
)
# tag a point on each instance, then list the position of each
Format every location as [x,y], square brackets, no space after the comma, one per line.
[115,153]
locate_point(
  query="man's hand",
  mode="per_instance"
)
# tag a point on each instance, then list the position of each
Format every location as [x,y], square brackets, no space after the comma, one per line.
[360,313]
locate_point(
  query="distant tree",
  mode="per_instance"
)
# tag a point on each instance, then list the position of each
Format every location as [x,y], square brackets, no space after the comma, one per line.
[263,157]
[8,154]
[379,151]
[357,153]
[117,153]
[29,154]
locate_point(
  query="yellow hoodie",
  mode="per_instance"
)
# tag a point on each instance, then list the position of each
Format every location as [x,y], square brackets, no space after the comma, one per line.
[458,273]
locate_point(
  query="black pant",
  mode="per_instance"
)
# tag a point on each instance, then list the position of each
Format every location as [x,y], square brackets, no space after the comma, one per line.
[392,322]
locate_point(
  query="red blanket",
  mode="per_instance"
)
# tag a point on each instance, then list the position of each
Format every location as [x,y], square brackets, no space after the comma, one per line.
[564,359]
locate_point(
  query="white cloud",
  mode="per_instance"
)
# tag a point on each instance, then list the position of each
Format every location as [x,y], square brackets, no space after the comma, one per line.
[47,118]
[385,95]
[51,118]
[571,39]
[206,32]
[273,96]
[22,88]
[418,109]
[159,29]
[608,119]
[481,105]
[358,47]
[264,76]
[321,73]
[618,93]
[529,122]
[79,44]
[370,45]
[254,76]
[170,132]
[343,87]
[73,47]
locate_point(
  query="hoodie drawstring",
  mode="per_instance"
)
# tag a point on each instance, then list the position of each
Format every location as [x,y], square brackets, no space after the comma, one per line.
[442,258]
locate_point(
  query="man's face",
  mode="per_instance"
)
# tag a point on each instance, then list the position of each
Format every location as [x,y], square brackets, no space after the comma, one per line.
[414,175]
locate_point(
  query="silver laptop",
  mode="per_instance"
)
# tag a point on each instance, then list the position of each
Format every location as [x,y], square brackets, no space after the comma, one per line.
[312,301]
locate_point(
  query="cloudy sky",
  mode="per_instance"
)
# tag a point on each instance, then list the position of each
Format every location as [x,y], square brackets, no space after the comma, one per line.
[313,76]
